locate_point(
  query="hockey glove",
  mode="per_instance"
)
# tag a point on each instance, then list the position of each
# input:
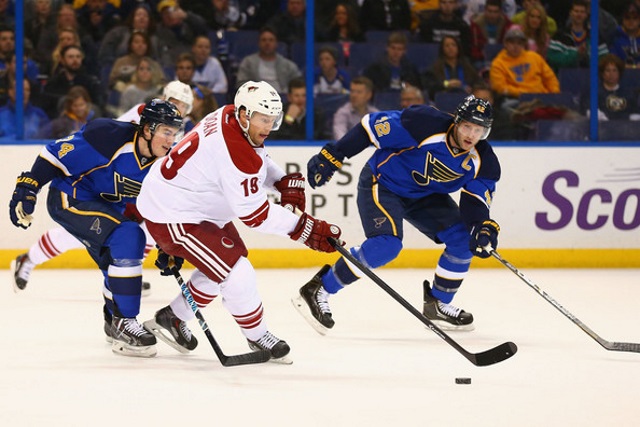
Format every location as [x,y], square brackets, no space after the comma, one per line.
[23,201]
[291,188]
[314,233]
[323,165]
[165,262]
[484,238]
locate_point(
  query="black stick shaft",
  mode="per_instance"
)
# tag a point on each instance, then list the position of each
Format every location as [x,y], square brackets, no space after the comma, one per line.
[489,357]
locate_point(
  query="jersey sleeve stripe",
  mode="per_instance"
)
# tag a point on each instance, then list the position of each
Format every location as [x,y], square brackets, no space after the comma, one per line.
[257,217]
[46,155]
[367,127]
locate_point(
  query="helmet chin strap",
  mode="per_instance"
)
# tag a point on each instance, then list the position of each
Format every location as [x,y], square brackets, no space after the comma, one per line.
[245,130]
[454,136]
[149,147]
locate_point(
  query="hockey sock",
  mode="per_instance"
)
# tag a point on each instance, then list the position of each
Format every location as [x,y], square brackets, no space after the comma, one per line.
[453,264]
[51,244]
[126,245]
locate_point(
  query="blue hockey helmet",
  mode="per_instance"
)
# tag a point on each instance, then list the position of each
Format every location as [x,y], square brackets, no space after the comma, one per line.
[158,111]
[477,111]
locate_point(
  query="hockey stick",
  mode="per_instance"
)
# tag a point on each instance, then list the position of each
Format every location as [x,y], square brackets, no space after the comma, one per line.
[485,358]
[615,346]
[235,360]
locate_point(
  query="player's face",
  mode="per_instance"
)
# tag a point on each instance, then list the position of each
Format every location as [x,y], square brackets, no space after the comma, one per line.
[467,135]
[163,138]
[260,126]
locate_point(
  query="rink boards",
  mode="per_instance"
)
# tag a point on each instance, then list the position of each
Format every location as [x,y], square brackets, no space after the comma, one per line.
[558,206]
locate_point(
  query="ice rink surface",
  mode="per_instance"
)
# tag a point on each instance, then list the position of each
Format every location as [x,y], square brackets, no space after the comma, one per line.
[379,366]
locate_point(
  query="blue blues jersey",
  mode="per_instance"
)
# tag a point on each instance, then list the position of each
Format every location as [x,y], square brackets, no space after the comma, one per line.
[101,162]
[414,160]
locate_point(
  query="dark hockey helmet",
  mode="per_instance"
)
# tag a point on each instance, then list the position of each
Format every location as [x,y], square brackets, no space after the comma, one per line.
[158,111]
[477,111]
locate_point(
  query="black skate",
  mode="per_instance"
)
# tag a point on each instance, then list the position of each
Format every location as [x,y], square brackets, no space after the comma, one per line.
[167,327]
[313,303]
[107,332]
[22,267]
[131,339]
[107,324]
[447,316]
[277,347]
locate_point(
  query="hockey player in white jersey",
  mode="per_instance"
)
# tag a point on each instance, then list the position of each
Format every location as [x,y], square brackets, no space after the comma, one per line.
[219,172]
[57,241]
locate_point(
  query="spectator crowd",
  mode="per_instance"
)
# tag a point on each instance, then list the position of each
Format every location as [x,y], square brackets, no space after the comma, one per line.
[98,58]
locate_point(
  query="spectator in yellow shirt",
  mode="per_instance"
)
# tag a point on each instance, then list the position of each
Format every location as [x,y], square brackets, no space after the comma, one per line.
[515,70]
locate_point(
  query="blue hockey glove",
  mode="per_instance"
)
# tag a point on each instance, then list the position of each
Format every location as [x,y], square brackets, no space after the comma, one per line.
[23,201]
[323,165]
[484,238]
[165,262]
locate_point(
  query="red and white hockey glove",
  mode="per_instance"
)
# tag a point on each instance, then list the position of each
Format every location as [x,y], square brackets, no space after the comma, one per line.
[291,188]
[314,233]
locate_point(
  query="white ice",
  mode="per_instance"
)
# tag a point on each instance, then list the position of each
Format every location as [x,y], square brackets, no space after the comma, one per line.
[379,366]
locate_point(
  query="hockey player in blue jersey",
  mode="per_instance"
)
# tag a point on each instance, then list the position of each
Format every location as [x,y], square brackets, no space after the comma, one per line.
[94,173]
[421,156]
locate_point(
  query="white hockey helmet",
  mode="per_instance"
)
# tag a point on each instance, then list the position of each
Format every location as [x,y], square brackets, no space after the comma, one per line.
[180,91]
[259,97]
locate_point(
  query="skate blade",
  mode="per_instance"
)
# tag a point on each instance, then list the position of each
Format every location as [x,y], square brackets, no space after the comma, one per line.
[446,326]
[124,349]
[159,332]
[284,360]
[302,307]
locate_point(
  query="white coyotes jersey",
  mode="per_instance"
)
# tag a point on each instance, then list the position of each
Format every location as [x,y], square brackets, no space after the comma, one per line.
[213,174]
[132,115]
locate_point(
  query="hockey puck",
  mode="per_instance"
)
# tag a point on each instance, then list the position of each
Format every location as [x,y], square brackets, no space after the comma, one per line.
[463,380]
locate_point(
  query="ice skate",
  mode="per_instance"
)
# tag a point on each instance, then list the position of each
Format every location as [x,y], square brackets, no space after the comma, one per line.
[167,327]
[447,316]
[107,325]
[277,347]
[131,339]
[22,267]
[108,334]
[313,305]
[146,289]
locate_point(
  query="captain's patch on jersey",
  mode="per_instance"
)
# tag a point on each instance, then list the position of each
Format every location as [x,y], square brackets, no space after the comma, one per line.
[65,149]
